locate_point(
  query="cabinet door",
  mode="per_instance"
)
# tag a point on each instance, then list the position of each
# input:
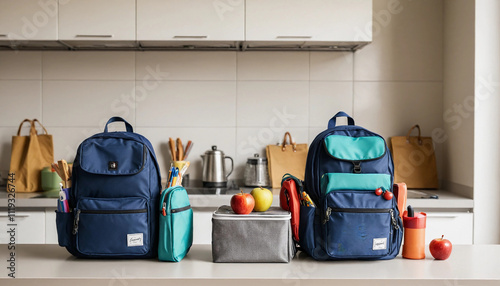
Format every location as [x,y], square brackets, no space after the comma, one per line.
[97,20]
[190,20]
[29,228]
[28,20]
[456,226]
[50,226]
[202,228]
[312,20]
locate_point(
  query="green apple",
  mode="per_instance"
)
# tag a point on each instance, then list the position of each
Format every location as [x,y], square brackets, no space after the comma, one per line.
[263,199]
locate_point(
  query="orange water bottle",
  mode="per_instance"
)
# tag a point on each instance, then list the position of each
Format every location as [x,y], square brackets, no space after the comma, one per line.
[414,237]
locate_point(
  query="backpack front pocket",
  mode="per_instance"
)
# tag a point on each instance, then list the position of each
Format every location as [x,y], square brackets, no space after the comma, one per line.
[358,224]
[112,226]
[176,225]
[177,238]
[358,233]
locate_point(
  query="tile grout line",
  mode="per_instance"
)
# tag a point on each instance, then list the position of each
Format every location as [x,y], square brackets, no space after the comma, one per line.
[309,107]
[135,84]
[353,83]
[41,87]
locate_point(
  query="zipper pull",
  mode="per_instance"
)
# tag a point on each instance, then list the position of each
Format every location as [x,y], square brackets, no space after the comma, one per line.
[327,215]
[357,167]
[75,224]
[393,220]
[163,210]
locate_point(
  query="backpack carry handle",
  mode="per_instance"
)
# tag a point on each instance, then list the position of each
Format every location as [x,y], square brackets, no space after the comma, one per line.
[116,119]
[333,121]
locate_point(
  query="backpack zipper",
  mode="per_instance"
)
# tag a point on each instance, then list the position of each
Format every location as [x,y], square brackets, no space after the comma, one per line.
[172,211]
[178,210]
[358,210]
[78,212]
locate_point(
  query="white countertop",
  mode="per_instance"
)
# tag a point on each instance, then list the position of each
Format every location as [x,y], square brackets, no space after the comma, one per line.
[447,200]
[53,265]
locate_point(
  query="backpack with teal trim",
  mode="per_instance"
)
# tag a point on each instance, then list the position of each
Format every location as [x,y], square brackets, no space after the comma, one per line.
[176,224]
[349,177]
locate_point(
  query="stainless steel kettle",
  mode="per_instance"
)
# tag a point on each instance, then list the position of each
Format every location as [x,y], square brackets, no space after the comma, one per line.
[256,172]
[214,168]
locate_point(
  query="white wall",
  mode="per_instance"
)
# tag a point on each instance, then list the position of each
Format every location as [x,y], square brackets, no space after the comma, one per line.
[233,100]
[487,123]
[458,95]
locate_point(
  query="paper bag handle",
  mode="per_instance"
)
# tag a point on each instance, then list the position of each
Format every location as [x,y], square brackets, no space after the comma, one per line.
[333,120]
[419,134]
[32,128]
[21,126]
[290,139]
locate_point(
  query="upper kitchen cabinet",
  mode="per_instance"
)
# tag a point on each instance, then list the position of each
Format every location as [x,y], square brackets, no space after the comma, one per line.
[197,21]
[308,23]
[96,20]
[28,22]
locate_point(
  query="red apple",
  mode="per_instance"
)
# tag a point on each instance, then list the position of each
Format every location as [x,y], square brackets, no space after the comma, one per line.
[242,203]
[388,195]
[440,248]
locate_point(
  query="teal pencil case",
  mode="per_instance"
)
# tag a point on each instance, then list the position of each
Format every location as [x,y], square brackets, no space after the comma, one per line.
[176,225]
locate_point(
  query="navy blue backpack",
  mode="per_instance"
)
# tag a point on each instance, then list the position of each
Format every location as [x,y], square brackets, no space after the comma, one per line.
[350,218]
[114,198]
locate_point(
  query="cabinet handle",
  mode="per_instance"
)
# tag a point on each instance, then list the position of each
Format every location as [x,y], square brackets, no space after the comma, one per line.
[441,216]
[16,215]
[190,37]
[3,35]
[94,36]
[293,37]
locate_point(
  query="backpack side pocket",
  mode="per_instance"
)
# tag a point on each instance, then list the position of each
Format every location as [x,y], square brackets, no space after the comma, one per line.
[64,223]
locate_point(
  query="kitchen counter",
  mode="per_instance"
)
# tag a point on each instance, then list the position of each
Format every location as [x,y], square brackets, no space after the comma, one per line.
[52,265]
[447,200]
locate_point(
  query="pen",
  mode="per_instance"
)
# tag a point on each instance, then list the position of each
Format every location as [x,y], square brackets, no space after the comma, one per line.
[176,173]
[170,177]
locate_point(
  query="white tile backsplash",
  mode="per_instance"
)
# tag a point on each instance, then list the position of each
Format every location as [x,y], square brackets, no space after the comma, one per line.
[188,104]
[272,103]
[273,66]
[326,99]
[332,66]
[6,134]
[88,65]
[20,99]
[87,103]
[67,139]
[391,108]
[253,140]
[202,138]
[20,65]
[239,101]
[186,65]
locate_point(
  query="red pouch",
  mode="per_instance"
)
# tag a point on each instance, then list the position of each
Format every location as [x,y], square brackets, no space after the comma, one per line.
[290,201]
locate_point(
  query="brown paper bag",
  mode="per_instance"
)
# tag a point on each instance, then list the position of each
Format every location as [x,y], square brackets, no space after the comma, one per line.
[286,158]
[414,161]
[30,154]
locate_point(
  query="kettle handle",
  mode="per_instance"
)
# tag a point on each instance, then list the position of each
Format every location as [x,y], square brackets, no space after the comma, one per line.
[232,165]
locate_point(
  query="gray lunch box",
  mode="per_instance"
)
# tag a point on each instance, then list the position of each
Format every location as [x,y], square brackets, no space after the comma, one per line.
[255,237]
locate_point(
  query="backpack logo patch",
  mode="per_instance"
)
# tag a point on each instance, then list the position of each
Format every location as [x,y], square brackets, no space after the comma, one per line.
[135,239]
[379,243]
